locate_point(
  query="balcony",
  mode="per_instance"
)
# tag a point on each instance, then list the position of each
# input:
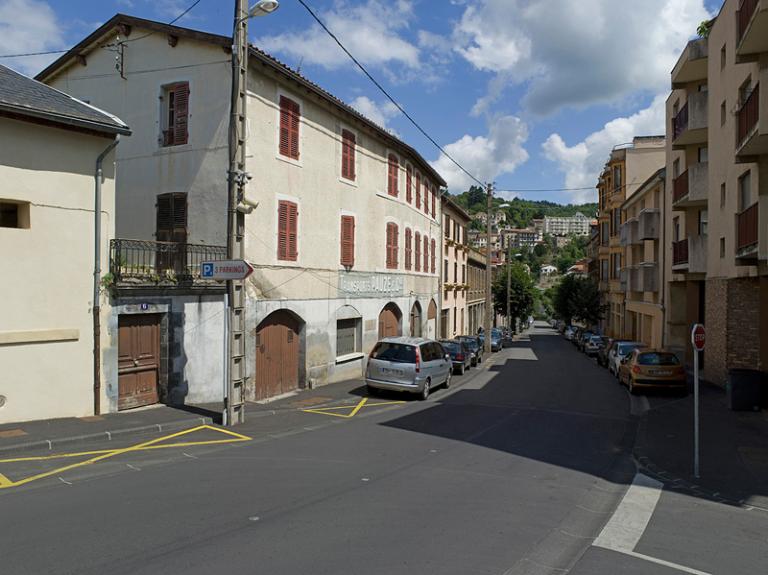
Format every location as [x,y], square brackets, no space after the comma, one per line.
[690,255]
[751,30]
[648,224]
[632,279]
[690,125]
[690,189]
[747,235]
[143,264]
[624,279]
[629,233]
[751,133]
[692,65]
[648,277]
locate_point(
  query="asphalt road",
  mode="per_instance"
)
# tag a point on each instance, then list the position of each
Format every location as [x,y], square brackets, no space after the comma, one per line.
[517,469]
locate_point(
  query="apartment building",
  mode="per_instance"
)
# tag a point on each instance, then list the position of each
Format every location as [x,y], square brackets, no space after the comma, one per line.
[516,238]
[454,279]
[578,224]
[717,171]
[476,270]
[642,276]
[51,144]
[628,167]
[342,224]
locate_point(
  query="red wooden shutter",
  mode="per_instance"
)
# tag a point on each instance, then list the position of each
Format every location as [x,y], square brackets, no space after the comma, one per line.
[408,184]
[287,231]
[408,247]
[417,259]
[426,196]
[426,254]
[418,191]
[434,200]
[391,245]
[290,114]
[347,155]
[393,170]
[181,113]
[395,245]
[347,241]
[432,254]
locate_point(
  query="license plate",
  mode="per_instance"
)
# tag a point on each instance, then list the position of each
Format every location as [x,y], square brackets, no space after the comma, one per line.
[390,371]
[660,372]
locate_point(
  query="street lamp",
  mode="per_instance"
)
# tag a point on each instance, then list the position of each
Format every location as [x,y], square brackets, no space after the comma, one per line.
[234,402]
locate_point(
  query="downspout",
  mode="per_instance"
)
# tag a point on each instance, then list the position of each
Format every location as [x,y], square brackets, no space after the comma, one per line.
[663,254]
[97,276]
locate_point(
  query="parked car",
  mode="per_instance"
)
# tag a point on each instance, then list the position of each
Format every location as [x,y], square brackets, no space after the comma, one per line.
[569,332]
[620,350]
[576,335]
[650,368]
[475,347]
[495,340]
[602,352]
[584,336]
[460,354]
[593,345]
[411,364]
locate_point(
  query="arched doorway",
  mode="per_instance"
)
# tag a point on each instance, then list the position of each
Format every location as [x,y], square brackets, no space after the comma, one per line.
[432,319]
[416,320]
[389,321]
[277,354]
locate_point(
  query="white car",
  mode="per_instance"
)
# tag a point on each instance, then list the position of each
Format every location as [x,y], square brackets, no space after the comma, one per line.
[569,333]
[620,350]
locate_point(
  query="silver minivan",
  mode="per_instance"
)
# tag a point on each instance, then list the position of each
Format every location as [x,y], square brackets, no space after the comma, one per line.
[410,364]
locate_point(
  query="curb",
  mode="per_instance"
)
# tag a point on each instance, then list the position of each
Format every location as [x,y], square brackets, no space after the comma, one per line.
[108,435]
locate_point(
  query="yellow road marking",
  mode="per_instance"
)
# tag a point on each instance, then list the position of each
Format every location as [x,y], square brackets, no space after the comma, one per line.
[100,455]
[354,409]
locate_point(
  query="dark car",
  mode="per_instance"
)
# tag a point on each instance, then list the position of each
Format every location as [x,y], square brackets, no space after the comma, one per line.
[593,344]
[472,342]
[495,340]
[583,338]
[460,354]
[602,352]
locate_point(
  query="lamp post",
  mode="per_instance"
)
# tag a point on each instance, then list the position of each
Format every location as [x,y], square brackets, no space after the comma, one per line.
[237,177]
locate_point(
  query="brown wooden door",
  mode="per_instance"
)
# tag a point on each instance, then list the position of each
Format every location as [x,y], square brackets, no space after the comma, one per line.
[389,321]
[277,355]
[416,320]
[138,360]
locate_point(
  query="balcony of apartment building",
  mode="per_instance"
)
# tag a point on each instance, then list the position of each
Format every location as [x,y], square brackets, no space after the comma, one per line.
[643,277]
[692,64]
[145,264]
[648,222]
[690,189]
[751,30]
[689,255]
[689,126]
[748,235]
[630,232]
[751,125]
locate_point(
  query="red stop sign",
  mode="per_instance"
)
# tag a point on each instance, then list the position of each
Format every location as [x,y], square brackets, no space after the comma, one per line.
[698,337]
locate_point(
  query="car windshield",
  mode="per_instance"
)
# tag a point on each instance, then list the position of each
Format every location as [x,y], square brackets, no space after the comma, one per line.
[398,352]
[656,358]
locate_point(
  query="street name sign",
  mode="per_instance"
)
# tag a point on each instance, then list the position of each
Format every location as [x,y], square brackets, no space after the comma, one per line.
[225,270]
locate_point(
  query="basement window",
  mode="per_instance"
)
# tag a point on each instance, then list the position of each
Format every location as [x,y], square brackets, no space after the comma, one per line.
[14,214]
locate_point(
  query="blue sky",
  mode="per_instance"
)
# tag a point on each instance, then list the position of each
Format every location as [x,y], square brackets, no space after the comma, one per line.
[528,93]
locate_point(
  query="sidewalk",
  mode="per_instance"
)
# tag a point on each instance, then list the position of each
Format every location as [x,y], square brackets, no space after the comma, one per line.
[734,447]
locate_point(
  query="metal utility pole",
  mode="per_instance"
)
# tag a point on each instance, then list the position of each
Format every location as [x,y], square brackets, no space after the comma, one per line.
[488,298]
[509,281]
[234,403]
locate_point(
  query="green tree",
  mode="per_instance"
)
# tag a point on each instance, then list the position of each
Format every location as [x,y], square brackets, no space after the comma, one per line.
[577,299]
[521,292]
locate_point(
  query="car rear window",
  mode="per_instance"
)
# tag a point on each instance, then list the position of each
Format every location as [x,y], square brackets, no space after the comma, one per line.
[470,343]
[398,352]
[654,358]
[626,348]
[450,346]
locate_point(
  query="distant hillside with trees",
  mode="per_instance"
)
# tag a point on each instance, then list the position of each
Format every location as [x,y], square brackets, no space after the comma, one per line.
[520,212]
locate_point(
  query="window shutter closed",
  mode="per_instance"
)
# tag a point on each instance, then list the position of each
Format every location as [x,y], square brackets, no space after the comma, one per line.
[434,200]
[408,247]
[347,155]
[347,241]
[391,245]
[418,191]
[289,127]
[426,254]
[417,259]
[181,116]
[432,253]
[287,231]
[426,197]
[393,168]
[171,218]
[408,184]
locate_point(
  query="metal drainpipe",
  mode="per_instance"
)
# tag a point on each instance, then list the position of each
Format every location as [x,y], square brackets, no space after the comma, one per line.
[97,277]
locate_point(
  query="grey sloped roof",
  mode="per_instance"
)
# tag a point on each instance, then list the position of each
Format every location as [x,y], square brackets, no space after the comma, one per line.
[23,96]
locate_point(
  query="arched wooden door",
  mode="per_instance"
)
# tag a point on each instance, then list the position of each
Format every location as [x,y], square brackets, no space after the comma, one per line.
[432,319]
[389,321]
[277,355]
[416,320]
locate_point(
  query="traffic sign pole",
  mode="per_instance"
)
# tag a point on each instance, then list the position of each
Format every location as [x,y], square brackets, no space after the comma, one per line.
[698,338]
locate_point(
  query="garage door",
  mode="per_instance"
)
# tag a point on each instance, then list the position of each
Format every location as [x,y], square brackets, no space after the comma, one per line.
[277,355]
[138,360]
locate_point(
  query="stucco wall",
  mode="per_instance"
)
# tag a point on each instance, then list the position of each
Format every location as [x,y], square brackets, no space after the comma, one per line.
[48,270]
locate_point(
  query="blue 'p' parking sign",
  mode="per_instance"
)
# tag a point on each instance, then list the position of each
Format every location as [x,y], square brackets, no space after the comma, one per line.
[207,270]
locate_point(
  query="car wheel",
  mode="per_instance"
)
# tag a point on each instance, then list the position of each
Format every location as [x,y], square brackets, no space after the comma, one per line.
[447,383]
[425,392]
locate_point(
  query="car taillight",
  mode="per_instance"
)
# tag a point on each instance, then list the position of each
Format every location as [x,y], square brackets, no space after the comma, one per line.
[636,369]
[459,357]
[418,360]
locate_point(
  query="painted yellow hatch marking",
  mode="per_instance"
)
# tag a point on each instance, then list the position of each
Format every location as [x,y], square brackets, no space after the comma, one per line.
[352,410]
[102,454]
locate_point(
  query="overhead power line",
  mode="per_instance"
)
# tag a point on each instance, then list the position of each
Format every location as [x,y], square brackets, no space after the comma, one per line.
[32,54]
[383,91]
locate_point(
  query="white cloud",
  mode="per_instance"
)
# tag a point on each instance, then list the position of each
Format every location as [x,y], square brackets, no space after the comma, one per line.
[370,31]
[485,157]
[28,26]
[379,113]
[581,163]
[576,53]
